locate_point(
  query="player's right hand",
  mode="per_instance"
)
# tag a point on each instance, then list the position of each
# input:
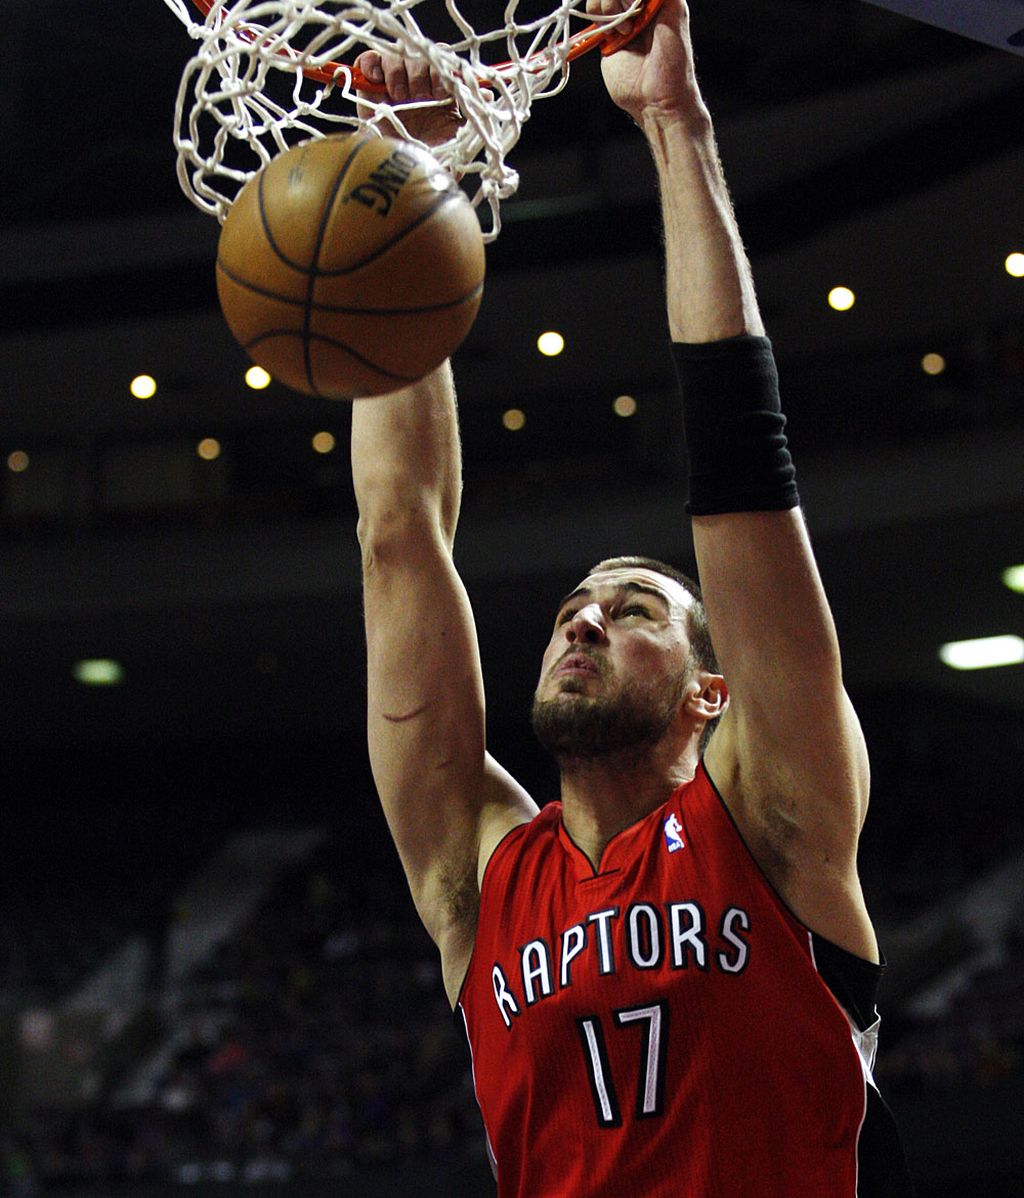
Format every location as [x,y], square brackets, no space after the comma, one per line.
[653,74]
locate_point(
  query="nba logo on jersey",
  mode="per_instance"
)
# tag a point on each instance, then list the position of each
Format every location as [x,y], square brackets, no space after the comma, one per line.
[674,834]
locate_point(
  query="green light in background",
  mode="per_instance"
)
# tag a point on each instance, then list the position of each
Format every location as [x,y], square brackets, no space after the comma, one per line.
[98,671]
[1013,577]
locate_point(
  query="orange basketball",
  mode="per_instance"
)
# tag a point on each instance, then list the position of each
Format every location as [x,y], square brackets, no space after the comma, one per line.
[350,266]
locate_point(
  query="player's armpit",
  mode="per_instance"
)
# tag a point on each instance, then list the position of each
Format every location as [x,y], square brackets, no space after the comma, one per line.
[504,806]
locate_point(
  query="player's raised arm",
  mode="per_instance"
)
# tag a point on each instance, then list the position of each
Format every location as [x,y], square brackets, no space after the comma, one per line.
[788,756]
[446,802]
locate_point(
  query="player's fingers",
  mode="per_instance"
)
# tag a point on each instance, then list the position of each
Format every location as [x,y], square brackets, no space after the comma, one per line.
[396,76]
[418,72]
[438,90]
[422,80]
[610,8]
[368,65]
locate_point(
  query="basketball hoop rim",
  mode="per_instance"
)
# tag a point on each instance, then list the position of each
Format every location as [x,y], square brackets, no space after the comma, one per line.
[589,38]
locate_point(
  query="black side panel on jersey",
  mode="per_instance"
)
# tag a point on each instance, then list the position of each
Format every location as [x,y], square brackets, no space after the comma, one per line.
[852,980]
[881,1164]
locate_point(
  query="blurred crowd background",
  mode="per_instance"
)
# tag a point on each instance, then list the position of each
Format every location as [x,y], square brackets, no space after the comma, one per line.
[220,982]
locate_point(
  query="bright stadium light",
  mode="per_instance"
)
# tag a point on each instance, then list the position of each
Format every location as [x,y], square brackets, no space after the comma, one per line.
[257,378]
[143,386]
[551,344]
[841,299]
[983,653]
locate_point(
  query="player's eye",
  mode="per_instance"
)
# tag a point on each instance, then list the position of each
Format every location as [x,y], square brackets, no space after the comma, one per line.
[565,616]
[635,609]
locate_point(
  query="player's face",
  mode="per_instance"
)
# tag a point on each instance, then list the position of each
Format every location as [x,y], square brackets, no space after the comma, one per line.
[615,670]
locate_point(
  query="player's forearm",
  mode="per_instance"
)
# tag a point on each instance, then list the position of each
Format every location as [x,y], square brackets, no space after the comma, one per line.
[406,463]
[709,287]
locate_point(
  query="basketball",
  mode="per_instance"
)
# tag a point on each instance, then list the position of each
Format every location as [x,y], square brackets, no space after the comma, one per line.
[350,266]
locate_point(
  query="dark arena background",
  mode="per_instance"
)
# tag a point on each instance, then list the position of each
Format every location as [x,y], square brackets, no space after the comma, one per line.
[211,975]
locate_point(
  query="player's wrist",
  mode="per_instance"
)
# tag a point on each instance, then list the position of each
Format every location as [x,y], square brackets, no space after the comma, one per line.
[669,127]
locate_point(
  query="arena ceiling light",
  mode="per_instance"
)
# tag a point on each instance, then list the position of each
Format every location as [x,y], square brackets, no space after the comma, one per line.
[257,378]
[841,299]
[983,653]
[143,386]
[551,344]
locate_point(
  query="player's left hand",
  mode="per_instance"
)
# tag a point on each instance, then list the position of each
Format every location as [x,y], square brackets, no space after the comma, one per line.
[653,75]
[415,86]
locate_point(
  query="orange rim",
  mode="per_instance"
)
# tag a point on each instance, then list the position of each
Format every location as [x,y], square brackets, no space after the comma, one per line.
[587,39]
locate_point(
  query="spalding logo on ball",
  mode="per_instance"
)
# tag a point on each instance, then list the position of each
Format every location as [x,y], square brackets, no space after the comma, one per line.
[350,266]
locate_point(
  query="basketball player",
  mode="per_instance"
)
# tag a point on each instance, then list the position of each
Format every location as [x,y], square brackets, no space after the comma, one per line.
[668,978]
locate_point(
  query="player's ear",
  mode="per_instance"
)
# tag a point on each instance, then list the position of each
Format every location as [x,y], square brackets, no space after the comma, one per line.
[707,697]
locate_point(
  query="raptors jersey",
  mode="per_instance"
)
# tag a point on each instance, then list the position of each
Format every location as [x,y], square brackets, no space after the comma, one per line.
[664,1027]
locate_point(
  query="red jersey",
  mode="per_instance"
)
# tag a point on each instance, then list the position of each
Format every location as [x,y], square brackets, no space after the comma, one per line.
[658,1028]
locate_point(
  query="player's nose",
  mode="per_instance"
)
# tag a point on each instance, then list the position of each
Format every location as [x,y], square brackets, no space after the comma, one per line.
[586,626]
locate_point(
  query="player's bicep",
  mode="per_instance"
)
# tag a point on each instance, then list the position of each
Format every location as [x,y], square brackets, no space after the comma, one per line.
[447,803]
[777,646]
[425,703]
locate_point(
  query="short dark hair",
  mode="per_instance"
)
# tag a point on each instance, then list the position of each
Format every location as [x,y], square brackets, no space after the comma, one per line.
[702,651]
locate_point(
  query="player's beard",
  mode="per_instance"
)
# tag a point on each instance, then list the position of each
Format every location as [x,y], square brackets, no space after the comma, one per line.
[574,726]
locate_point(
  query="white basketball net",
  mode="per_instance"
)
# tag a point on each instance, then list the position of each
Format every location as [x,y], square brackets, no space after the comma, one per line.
[268,74]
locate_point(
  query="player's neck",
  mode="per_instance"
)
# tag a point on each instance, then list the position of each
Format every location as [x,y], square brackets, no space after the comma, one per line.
[602,796]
